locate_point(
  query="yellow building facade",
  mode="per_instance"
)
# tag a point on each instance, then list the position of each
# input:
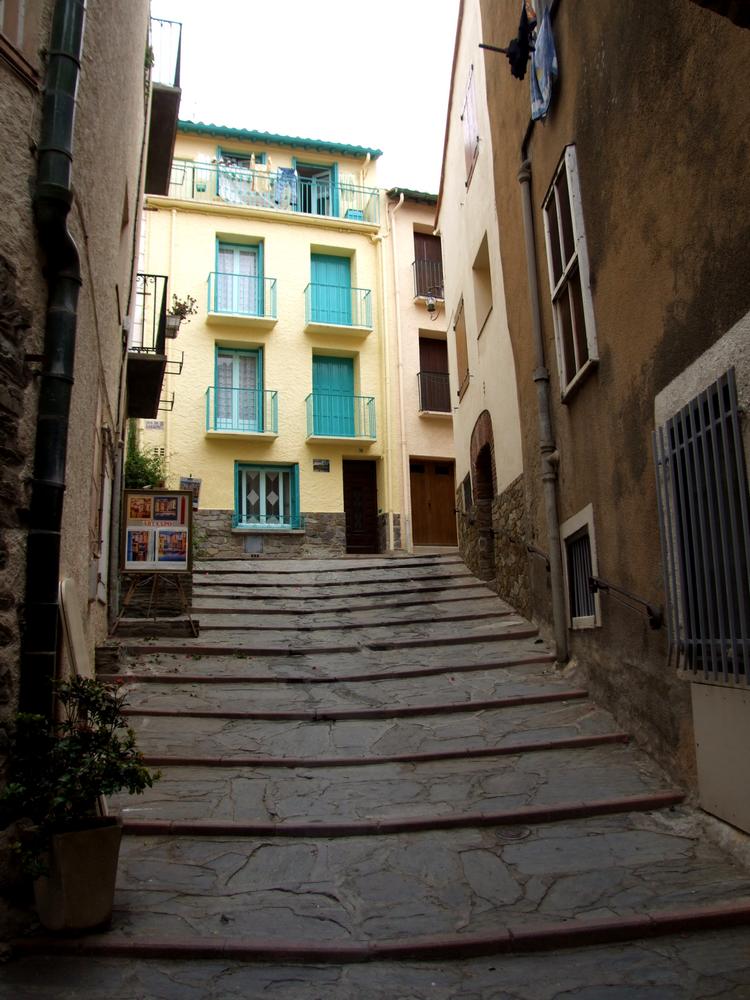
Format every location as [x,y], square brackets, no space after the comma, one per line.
[280,408]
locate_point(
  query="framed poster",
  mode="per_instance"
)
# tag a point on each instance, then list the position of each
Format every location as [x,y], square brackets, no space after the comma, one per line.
[156,531]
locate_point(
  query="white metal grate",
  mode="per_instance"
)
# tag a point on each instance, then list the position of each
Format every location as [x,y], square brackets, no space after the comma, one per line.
[702,495]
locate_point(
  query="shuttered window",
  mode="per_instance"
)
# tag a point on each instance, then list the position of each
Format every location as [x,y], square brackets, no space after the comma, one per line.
[462,354]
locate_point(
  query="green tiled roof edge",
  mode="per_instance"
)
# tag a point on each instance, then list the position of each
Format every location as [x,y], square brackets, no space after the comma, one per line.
[246,135]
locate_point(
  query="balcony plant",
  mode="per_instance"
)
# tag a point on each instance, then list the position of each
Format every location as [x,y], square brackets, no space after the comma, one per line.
[57,773]
[181,309]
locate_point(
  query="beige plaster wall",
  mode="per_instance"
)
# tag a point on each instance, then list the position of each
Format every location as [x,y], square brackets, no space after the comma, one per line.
[465,216]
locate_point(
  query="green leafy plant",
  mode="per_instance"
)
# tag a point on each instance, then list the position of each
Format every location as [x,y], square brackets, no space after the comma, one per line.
[143,468]
[58,769]
[183,307]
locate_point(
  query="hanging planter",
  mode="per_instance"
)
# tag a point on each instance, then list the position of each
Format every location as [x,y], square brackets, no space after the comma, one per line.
[173,326]
[181,309]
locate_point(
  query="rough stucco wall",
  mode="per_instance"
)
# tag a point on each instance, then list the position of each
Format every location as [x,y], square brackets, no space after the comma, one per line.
[107,150]
[660,121]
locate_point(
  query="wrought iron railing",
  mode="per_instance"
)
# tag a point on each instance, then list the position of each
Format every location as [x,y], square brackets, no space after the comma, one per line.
[434,392]
[337,415]
[242,295]
[278,189]
[166,51]
[242,411]
[337,305]
[428,279]
[148,332]
[294,521]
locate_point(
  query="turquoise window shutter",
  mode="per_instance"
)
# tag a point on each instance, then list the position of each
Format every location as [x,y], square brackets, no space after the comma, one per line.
[331,289]
[333,391]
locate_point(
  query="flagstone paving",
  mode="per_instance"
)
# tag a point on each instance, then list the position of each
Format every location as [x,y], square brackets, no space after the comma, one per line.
[376,783]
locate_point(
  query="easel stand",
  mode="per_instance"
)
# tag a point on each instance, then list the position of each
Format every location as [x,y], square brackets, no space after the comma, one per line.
[141,580]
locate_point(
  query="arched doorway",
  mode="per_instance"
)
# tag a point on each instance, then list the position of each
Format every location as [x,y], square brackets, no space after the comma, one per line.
[484,490]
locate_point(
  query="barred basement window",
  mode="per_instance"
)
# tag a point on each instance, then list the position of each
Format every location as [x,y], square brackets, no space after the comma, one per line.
[702,492]
[466,487]
[579,564]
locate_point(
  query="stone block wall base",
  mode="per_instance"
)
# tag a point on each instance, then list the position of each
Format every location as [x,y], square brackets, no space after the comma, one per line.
[498,556]
[213,538]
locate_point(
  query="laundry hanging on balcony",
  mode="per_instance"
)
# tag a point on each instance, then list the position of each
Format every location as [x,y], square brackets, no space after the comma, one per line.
[286,188]
[544,69]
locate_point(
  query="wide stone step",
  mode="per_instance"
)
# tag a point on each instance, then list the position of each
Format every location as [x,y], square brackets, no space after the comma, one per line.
[432,885]
[706,963]
[198,738]
[214,663]
[345,564]
[428,790]
[399,574]
[442,690]
[283,604]
[479,610]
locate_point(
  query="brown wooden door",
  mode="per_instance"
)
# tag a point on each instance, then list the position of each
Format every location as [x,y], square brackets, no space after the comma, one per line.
[432,502]
[361,506]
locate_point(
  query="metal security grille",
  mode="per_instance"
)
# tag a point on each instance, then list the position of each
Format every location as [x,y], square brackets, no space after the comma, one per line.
[705,534]
[580,595]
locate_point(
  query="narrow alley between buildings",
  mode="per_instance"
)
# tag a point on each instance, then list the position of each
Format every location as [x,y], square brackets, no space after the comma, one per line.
[376,783]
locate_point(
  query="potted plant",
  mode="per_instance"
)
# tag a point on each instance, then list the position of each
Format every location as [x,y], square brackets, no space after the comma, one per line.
[57,773]
[180,310]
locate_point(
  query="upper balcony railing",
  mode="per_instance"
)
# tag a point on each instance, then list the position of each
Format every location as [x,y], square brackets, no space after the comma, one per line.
[242,411]
[166,50]
[338,305]
[242,295]
[428,279]
[338,415]
[148,332]
[434,392]
[277,189]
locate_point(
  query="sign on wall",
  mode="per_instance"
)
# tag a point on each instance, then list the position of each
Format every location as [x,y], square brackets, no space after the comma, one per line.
[156,531]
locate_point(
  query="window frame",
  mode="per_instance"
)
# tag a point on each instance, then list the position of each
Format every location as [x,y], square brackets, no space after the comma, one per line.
[237,352]
[576,263]
[260,303]
[579,523]
[471,127]
[240,469]
[462,378]
[19,30]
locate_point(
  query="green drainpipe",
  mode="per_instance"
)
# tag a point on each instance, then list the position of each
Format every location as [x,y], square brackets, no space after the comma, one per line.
[52,201]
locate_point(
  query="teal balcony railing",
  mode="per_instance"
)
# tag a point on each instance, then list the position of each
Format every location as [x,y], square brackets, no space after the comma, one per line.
[242,411]
[337,305]
[278,189]
[242,295]
[337,415]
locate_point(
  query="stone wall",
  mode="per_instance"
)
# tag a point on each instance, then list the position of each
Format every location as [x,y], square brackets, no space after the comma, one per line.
[14,322]
[498,555]
[383,532]
[324,535]
[511,557]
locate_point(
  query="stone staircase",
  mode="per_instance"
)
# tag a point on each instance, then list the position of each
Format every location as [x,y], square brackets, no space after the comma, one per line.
[375,760]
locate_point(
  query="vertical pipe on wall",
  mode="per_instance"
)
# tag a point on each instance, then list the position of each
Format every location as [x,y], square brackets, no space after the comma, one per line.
[406,534]
[53,197]
[549,454]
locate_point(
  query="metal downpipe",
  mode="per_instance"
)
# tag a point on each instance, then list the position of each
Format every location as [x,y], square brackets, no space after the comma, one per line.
[549,454]
[52,201]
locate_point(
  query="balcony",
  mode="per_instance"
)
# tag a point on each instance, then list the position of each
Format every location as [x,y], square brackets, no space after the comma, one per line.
[243,299]
[276,190]
[434,392]
[275,522]
[336,308]
[147,359]
[337,417]
[242,413]
[428,279]
[166,52]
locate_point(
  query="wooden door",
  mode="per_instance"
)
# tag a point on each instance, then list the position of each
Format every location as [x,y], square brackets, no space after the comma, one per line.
[361,506]
[433,502]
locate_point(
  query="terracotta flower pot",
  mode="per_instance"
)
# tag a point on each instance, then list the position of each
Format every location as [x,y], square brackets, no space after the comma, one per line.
[78,893]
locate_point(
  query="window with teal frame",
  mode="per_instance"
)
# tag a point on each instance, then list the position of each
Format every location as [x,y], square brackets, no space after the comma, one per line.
[238,393]
[266,496]
[238,286]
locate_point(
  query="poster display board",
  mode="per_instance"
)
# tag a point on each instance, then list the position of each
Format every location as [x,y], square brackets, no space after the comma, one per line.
[156,531]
